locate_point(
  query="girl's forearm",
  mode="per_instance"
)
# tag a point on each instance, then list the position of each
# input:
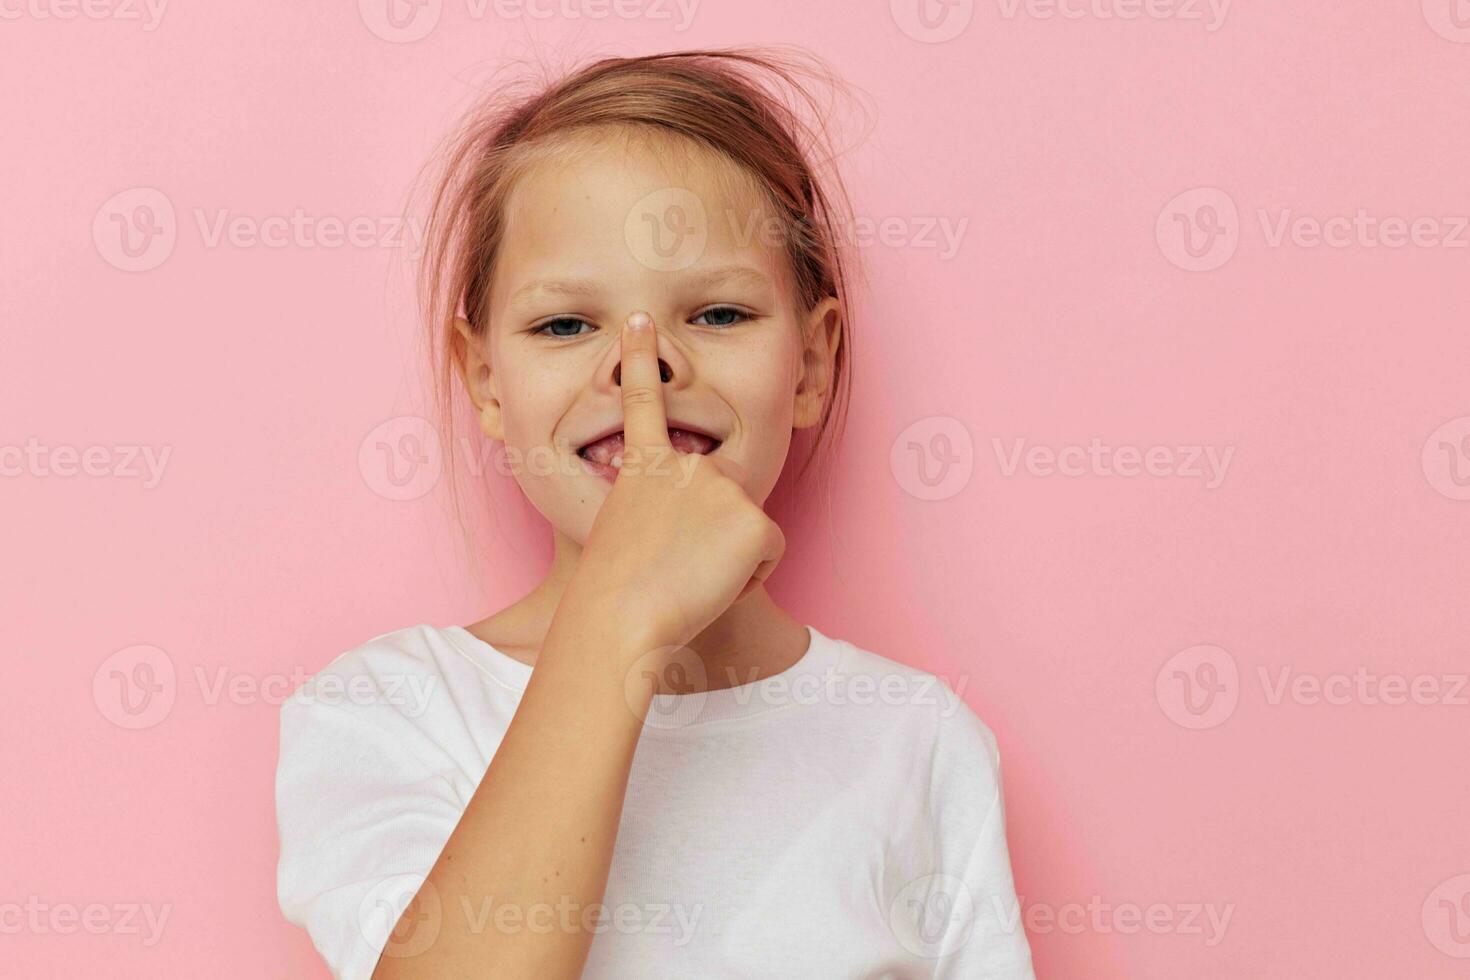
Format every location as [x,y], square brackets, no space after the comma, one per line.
[511,895]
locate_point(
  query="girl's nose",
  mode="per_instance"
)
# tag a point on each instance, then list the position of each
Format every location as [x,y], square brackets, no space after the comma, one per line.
[665,373]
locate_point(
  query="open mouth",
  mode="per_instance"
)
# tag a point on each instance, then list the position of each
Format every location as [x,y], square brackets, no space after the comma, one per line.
[605,451]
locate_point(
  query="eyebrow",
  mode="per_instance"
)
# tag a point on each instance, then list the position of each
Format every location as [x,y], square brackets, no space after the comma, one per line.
[721,275]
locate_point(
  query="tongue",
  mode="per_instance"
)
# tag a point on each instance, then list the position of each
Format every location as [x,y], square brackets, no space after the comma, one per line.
[603,450]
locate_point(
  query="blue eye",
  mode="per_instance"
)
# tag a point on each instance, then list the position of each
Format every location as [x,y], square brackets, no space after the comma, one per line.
[560,320]
[722,317]
[721,312]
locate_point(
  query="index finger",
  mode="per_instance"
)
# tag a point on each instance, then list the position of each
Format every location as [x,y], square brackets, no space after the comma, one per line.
[644,421]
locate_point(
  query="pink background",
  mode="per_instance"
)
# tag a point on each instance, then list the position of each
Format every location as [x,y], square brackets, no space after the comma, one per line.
[1140,770]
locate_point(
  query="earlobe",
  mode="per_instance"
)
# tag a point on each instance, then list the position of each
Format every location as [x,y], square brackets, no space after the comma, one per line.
[479,380]
[822,334]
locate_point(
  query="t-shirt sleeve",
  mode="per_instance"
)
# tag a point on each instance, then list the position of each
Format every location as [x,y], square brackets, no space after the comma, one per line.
[365,801]
[985,938]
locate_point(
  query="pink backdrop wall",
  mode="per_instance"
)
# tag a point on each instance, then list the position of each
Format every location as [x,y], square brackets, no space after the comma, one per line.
[1160,447]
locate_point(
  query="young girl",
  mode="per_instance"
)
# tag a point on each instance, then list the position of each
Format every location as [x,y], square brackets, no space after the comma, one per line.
[645,768]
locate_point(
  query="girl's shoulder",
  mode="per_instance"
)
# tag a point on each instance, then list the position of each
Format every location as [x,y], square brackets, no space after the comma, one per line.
[931,706]
[434,689]
[388,669]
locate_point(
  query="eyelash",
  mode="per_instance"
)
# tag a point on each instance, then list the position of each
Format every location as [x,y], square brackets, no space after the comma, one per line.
[541,330]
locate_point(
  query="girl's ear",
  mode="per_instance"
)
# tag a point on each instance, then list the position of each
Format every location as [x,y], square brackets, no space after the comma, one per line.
[821,335]
[479,380]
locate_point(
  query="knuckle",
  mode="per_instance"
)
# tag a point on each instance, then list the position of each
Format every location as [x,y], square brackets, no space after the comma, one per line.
[639,395]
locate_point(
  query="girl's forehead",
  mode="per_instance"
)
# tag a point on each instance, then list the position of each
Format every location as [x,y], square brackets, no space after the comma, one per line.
[586,182]
[599,202]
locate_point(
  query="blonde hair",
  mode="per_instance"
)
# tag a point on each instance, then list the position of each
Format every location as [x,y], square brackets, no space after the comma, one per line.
[747,105]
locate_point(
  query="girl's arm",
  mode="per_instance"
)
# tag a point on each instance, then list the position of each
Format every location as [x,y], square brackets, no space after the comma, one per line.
[669,551]
[534,846]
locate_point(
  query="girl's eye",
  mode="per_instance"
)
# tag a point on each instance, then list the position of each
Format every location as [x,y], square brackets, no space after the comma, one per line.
[721,314]
[567,326]
[561,321]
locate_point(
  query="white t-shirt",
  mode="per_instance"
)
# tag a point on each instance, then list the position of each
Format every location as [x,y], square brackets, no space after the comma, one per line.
[843,819]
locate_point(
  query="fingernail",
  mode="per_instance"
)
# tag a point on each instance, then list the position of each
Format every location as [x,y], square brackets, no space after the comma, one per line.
[639,320]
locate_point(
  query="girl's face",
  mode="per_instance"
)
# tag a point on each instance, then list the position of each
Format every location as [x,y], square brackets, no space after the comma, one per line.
[620,226]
